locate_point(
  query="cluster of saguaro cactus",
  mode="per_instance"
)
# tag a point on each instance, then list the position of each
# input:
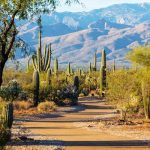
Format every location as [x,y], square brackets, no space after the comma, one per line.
[40,62]
[7,115]
[56,66]
[36,87]
[103,72]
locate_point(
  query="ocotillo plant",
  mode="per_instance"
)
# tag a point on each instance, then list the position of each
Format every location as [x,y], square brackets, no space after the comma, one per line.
[7,115]
[95,63]
[48,77]
[42,63]
[103,72]
[56,66]
[146,98]
[36,87]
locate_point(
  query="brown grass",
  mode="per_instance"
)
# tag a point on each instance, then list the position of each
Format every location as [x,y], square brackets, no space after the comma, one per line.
[46,107]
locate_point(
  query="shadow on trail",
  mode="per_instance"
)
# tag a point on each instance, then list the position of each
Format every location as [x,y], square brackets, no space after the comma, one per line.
[108,143]
[133,143]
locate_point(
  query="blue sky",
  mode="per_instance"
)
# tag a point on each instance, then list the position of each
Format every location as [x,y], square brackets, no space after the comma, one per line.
[94,4]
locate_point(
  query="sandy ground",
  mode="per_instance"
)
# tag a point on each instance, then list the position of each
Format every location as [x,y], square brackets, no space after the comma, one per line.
[69,129]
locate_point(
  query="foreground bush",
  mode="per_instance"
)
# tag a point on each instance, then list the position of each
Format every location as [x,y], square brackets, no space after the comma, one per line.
[124,91]
[46,107]
[146,93]
[11,91]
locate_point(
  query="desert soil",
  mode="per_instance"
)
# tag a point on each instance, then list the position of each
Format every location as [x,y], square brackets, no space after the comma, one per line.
[75,128]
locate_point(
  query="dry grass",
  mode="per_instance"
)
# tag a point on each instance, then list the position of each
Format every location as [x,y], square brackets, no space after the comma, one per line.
[46,107]
[22,105]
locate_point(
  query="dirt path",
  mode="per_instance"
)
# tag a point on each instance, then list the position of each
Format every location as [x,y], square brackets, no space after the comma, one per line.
[64,126]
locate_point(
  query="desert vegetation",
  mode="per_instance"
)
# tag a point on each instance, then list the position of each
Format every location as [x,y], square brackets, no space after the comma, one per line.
[41,87]
[39,90]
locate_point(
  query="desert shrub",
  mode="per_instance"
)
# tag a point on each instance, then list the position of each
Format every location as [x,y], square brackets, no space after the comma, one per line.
[11,91]
[124,90]
[22,105]
[46,106]
[81,95]
[4,135]
[146,92]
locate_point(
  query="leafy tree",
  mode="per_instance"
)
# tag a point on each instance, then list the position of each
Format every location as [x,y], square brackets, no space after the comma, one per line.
[10,10]
[140,55]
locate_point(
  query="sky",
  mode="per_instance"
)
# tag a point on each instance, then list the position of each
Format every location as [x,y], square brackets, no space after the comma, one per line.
[95,4]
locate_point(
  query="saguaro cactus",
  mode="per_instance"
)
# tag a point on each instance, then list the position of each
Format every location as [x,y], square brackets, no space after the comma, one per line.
[95,63]
[103,62]
[56,66]
[42,63]
[76,83]
[103,72]
[69,69]
[146,98]
[7,115]
[90,68]
[36,86]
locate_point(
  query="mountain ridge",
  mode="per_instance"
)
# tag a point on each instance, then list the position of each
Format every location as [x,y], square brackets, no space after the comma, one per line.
[116,28]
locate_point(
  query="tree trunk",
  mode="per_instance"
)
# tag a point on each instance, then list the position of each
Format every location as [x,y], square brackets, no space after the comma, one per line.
[2,64]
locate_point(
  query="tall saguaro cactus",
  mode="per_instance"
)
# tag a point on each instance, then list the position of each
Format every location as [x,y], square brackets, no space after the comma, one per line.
[69,69]
[42,62]
[56,66]
[95,63]
[76,83]
[36,86]
[103,72]
[7,115]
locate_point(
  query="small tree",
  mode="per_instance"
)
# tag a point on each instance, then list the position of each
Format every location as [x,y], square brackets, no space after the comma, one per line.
[19,9]
[141,56]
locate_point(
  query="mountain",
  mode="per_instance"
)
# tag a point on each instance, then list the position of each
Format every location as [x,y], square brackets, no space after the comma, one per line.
[79,47]
[75,36]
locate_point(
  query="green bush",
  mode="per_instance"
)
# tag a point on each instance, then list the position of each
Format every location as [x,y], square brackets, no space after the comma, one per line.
[11,91]
[124,91]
